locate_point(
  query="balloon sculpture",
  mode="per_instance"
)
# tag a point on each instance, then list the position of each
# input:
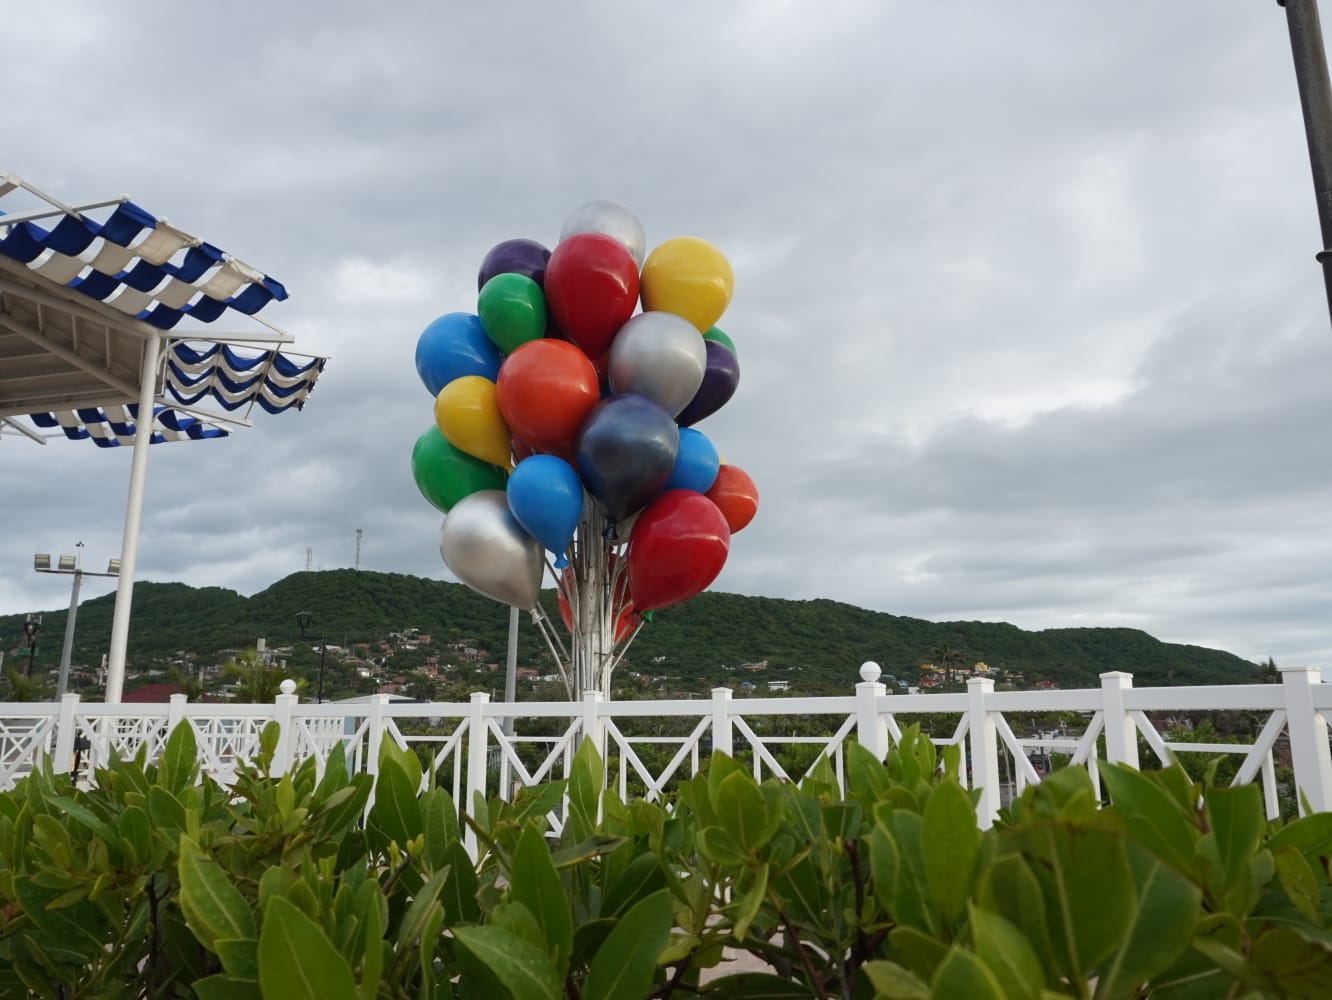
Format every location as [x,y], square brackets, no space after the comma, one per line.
[564,432]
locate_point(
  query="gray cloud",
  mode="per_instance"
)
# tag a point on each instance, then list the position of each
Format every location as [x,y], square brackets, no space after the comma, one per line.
[1026,310]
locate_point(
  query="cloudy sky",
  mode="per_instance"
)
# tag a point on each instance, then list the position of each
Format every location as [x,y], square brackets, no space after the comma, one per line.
[1026,307]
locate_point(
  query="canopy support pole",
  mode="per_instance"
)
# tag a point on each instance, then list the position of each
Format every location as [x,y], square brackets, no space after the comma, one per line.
[129,548]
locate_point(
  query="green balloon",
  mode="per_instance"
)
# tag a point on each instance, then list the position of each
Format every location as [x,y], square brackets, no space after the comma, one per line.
[721,338]
[512,310]
[445,475]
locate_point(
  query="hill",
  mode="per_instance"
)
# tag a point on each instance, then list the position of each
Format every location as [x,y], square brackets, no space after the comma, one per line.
[820,643]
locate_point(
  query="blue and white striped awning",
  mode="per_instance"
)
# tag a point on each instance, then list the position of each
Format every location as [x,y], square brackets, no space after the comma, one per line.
[80,298]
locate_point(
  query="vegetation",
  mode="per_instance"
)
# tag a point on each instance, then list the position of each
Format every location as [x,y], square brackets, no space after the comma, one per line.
[817,645]
[159,883]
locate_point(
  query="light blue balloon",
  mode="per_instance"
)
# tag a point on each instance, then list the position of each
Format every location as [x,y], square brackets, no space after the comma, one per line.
[546,498]
[696,463]
[453,346]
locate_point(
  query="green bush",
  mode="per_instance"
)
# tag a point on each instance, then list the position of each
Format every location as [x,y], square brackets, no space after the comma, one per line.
[159,883]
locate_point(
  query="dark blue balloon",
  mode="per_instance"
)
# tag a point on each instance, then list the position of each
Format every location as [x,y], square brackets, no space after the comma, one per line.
[526,257]
[546,497]
[453,346]
[720,380]
[696,464]
[625,452]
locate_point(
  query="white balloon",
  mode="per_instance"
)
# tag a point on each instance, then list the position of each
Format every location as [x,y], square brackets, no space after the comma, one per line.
[661,356]
[487,549]
[611,219]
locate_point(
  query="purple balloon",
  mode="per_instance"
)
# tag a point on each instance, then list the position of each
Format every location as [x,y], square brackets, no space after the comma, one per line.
[527,257]
[720,381]
[626,450]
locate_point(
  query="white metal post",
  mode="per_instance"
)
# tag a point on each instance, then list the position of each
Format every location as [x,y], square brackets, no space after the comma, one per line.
[871,728]
[1121,735]
[984,739]
[65,733]
[175,712]
[1308,738]
[511,669]
[477,752]
[721,721]
[67,650]
[594,728]
[282,706]
[129,546]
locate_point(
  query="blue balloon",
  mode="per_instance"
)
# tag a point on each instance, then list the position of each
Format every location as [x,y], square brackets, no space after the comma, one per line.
[546,498]
[696,465]
[453,346]
[625,452]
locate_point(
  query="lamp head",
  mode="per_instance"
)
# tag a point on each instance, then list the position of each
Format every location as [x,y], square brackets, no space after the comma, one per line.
[31,627]
[41,562]
[303,619]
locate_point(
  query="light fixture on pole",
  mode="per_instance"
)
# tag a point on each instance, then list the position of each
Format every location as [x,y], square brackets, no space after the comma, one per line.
[30,628]
[71,565]
[303,619]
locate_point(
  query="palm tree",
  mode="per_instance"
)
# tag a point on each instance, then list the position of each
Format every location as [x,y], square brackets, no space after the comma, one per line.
[948,658]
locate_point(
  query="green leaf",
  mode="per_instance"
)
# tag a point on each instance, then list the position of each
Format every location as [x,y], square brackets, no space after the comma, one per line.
[1160,931]
[1311,835]
[866,777]
[741,811]
[439,820]
[1299,882]
[918,951]
[745,905]
[221,987]
[1008,954]
[1237,821]
[910,904]
[641,877]
[1151,815]
[517,966]
[1010,888]
[296,959]
[71,934]
[884,866]
[214,908]
[423,904]
[180,759]
[624,965]
[758,986]
[136,832]
[962,974]
[239,957]
[585,783]
[458,896]
[950,842]
[719,847]
[894,982]
[1302,967]
[372,954]
[166,812]
[536,884]
[396,814]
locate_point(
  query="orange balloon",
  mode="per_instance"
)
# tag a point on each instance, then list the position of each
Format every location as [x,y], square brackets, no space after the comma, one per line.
[735,495]
[545,390]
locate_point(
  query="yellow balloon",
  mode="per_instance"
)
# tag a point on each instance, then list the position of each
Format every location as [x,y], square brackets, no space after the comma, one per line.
[470,420]
[689,277]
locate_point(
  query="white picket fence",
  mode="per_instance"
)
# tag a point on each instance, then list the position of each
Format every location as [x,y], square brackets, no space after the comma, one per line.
[647,745]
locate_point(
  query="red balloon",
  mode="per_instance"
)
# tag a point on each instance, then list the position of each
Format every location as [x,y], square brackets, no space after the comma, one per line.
[627,618]
[678,546]
[591,288]
[544,390]
[735,495]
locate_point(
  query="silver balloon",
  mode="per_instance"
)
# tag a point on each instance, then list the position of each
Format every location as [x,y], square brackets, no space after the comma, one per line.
[612,219]
[487,549]
[661,356]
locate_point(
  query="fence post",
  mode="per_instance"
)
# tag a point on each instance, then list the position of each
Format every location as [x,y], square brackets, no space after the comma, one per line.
[478,732]
[871,729]
[1121,735]
[282,705]
[1308,738]
[984,738]
[721,721]
[593,727]
[175,711]
[66,729]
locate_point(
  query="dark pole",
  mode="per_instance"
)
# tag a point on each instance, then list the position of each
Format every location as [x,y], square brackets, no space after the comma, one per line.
[1306,46]
[323,648]
[32,653]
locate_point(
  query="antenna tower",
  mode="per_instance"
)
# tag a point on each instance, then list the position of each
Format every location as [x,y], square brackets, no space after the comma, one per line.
[359,532]
[309,555]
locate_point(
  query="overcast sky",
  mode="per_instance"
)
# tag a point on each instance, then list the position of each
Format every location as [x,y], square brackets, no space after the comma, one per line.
[1029,324]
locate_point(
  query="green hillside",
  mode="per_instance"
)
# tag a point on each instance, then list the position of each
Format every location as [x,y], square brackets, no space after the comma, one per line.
[818,644]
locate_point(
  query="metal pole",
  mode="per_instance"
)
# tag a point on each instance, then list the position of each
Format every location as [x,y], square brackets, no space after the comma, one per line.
[1306,45]
[323,649]
[67,651]
[511,669]
[129,551]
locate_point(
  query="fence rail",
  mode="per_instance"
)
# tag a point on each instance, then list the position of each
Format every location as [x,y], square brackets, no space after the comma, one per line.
[648,745]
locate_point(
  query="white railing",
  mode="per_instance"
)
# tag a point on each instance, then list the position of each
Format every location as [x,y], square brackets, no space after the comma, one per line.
[648,745]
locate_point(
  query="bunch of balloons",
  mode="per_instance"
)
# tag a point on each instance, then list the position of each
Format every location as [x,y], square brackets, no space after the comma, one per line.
[564,423]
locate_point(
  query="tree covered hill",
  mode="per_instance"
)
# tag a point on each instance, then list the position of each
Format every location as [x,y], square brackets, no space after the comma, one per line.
[821,642]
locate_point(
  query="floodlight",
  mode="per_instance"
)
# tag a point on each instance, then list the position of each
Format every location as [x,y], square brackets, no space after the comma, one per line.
[41,562]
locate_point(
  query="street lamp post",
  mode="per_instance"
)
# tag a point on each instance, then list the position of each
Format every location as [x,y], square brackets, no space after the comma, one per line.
[303,619]
[30,628]
[71,565]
